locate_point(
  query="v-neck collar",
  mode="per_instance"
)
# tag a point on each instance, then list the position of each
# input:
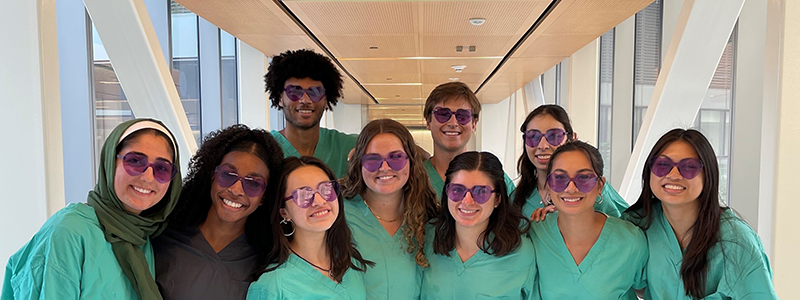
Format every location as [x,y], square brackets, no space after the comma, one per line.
[312,273]
[232,251]
[591,256]
[437,180]
[668,234]
[361,207]
[286,145]
[463,266]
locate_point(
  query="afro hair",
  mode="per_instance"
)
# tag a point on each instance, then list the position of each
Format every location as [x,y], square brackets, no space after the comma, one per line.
[301,64]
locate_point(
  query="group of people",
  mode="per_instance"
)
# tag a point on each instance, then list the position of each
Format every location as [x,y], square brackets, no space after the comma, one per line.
[313,213]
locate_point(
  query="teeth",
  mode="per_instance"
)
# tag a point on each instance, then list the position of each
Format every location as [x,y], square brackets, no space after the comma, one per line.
[467,211]
[451,133]
[141,190]
[231,203]
[571,200]
[674,187]
[543,156]
[304,111]
[317,214]
[385,177]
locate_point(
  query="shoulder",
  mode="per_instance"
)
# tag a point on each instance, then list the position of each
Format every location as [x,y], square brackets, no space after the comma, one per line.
[75,220]
[735,234]
[336,135]
[627,231]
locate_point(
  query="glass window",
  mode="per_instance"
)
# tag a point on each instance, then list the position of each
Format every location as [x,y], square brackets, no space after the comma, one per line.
[110,105]
[646,61]
[230,98]
[558,84]
[185,63]
[714,119]
[606,90]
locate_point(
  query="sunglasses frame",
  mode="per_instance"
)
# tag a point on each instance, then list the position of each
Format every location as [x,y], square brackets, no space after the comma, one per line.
[573,180]
[678,164]
[218,173]
[451,113]
[404,161]
[128,167]
[470,191]
[291,89]
[308,202]
[534,142]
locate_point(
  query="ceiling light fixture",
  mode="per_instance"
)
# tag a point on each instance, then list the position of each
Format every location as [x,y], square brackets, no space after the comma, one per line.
[453,78]
[459,48]
[373,48]
[477,21]
[458,68]
[471,48]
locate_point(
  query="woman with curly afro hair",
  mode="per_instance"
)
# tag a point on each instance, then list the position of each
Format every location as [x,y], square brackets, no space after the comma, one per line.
[219,232]
[304,84]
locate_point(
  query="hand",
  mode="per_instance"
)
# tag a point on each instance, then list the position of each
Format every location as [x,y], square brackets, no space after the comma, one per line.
[540,213]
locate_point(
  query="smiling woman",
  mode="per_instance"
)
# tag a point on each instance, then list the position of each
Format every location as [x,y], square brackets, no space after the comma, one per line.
[219,232]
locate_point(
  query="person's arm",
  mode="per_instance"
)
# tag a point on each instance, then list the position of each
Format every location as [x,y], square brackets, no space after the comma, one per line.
[52,270]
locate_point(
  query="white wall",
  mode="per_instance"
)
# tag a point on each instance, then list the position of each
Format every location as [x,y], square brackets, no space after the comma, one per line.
[347,117]
[254,108]
[582,105]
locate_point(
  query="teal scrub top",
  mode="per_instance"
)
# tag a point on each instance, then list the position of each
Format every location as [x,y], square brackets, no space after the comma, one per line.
[396,274]
[615,263]
[69,258]
[482,276]
[738,268]
[332,148]
[437,182]
[297,280]
[612,205]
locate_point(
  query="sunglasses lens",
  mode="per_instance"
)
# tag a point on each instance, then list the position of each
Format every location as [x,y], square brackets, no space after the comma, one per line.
[134,163]
[303,197]
[293,92]
[558,182]
[456,192]
[371,162]
[662,166]
[253,186]
[225,177]
[690,167]
[585,182]
[397,160]
[463,116]
[532,138]
[481,193]
[555,136]
[162,171]
[315,93]
[442,114]
[327,190]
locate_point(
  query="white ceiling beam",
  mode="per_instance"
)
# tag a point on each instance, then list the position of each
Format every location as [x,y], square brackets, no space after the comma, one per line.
[700,36]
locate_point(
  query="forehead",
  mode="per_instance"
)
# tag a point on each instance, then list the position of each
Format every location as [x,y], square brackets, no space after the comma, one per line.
[302,82]
[572,161]
[152,145]
[472,178]
[245,163]
[544,122]
[454,103]
[678,150]
[309,176]
[384,142]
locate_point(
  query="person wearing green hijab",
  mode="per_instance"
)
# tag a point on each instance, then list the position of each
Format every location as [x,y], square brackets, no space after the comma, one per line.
[101,249]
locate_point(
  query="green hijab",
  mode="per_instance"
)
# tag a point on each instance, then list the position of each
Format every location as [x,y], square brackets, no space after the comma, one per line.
[125,231]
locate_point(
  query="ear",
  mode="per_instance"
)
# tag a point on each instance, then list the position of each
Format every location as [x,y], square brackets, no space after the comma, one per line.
[474,124]
[284,214]
[428,124]
[601,182]
[350,155]
[574,136]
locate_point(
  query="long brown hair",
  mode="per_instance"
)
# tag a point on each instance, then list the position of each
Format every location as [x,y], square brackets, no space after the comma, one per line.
[504,223]
[419,199]
[525,168]
[338,238]
[705,230]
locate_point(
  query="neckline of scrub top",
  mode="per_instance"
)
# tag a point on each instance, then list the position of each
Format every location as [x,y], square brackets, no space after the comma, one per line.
[535,199]
[669,235]
[360,206]
[463,266]
[431,170]
[285,144]
[589,259]
[312,272]
[231,251]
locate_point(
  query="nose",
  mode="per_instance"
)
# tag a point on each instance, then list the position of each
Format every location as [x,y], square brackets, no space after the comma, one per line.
[318,200]
[305,98]
[452,120]
[674,173]
[468,198]
[147,175]
[384,166]
[543,144]
[571,187]
[236,188]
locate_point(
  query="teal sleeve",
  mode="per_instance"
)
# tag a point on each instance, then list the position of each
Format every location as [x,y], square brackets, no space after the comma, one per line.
[46,269]
[7,293]
[531,287]
[754,276]
[613,204]
[259,292]
[640,279]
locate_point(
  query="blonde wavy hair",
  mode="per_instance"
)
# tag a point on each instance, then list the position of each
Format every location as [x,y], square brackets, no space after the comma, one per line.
[419,199]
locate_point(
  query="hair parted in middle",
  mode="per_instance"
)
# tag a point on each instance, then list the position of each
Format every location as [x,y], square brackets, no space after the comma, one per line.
[301,64]
[419,199]
[338,238]
[451,91]
[592,154]
[504,223]
[195,200]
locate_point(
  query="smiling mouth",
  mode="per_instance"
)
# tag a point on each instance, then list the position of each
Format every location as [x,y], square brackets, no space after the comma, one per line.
[232,204]
[467,211]
[451,133]
[386,177]
[141,190]
[543,156]
[673,188]
[573,200]
[320,213]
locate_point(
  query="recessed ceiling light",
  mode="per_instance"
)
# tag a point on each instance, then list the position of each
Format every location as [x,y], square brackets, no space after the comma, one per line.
[373,48]
[397,96]
[458,68]
[477,21]
[389,78]
[453,78]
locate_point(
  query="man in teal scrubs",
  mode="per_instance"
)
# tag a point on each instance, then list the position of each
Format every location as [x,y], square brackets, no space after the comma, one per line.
[451,114]
[304,85]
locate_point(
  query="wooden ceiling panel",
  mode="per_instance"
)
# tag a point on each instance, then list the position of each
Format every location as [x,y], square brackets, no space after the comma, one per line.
[502,17]
[590,17]
[272,45]
[358,46]
[377,71]
[396,101]
[555,45]
[243,16]
[395,91]
[439,78]
[445,66]
[357,18]
[445,45]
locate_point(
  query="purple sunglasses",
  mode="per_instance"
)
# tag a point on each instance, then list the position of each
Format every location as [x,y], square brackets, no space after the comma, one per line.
[372,162]
[304,196]
[688,167]
[443,114]
[480,193]
[559,182]
[135,164]
[226,176]
[553,136]
[295,92]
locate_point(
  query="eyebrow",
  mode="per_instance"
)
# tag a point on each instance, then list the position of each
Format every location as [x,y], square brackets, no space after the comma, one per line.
[157,158]
[252,174]
[579,171]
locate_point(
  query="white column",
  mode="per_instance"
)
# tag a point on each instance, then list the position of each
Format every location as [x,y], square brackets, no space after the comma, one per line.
[137,57]
[700,36]
[253,100]
[787,205]
[549,86]
[210,84]
[670,11]
[622,103]
[30,114]
[584,75]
